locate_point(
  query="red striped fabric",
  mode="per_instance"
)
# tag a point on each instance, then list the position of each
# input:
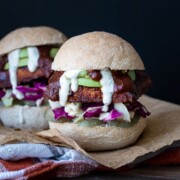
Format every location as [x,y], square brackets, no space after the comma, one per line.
[32,168]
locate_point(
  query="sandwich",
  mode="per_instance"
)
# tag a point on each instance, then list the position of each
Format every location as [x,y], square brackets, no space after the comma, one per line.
[94,90]
[26,55]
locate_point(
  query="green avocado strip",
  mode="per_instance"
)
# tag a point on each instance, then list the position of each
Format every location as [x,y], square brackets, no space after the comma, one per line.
[132,75]
[53,52]
[88,82]
[23,53]
[83,74]
[23,59]
[22,62]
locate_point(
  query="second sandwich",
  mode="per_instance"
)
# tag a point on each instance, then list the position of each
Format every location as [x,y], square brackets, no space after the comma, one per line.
[26,55]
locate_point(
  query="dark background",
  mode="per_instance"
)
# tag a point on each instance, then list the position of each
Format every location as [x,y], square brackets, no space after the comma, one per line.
[152,27]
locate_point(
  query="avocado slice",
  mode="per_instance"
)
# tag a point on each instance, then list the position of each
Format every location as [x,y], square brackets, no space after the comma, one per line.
[23,53]
[22,62]
[53,52]
[88,82]
[23,59]
[132,75]
[83,74]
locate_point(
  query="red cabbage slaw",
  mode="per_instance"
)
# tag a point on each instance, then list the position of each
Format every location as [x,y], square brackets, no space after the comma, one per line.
[2,93]
[138,109]
[95,111]
[112,115]
[60,112]
[30,93]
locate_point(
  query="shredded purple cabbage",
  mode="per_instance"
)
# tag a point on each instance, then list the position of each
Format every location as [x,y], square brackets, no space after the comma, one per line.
[138,108]
[33,97]
[93,111]
[40,86]
[25,89]
[60,112]
[2,93]
[96,111]
[85,106]
[113,114]
[32,93]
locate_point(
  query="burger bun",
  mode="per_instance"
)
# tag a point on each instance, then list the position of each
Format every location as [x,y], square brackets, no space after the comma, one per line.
[97,50]
[31,36]
[98,138]
[24,117]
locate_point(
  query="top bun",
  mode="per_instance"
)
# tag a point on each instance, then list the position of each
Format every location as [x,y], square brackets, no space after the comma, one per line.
[97,50]
[31,36]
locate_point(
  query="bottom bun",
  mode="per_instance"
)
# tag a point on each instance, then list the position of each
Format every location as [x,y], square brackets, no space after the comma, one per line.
[100,138]
[24,117]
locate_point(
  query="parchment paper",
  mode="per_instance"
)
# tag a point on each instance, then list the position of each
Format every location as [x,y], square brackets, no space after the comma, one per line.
[163,128]
[12,136]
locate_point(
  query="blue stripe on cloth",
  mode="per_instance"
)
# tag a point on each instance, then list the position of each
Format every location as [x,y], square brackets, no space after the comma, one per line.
[2,168]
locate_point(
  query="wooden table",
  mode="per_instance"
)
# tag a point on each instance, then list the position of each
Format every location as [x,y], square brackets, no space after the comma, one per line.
[139,173]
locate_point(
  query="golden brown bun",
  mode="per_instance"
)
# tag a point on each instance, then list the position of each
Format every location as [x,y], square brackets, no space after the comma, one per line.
[24,117]
[31,36]
[97,50]
[99,138]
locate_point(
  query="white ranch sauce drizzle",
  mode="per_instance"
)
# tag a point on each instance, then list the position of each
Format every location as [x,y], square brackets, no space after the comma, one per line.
[120,107]
[54,104]
[39,102]
[33,56]
[8,93]
[107,88]
[13,58]
[69,78]
[73,109]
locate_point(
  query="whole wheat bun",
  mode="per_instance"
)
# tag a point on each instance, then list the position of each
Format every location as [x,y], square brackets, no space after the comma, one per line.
[99,138]
[97,50]
[31,36]
[24,117]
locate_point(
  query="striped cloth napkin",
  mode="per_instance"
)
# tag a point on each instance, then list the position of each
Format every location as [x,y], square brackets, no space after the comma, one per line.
[23,161]
[26,160]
